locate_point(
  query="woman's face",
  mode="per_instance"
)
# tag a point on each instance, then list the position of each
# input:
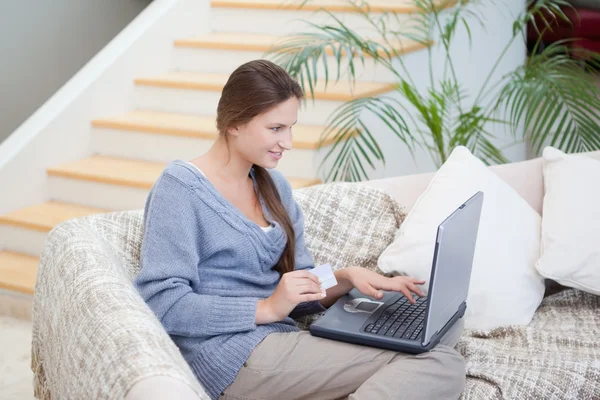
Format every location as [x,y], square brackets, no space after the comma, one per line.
[264,139]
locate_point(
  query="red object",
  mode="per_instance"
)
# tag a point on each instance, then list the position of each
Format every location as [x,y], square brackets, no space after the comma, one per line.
[584,29]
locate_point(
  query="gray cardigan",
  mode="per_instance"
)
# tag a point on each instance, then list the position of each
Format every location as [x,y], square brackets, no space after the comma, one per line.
[205,265]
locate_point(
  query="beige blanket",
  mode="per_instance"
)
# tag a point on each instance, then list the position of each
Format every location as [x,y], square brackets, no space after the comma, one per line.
[557,356]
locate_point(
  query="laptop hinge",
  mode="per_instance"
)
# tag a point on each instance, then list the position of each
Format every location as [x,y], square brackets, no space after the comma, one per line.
[423,341]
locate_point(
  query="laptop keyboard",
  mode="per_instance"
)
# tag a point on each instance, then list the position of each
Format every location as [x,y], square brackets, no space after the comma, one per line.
[400,319]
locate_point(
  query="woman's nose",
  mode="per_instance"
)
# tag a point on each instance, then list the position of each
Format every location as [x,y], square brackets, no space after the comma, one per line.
[286,142]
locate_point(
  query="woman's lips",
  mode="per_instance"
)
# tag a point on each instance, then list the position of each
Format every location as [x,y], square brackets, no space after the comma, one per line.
[275,155]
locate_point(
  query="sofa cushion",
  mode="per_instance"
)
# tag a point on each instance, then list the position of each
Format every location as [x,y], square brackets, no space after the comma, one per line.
[505,288]
[570,250]
[347,224]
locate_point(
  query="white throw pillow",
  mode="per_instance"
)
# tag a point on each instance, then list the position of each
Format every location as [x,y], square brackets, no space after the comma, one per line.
[505,288]
[570,248]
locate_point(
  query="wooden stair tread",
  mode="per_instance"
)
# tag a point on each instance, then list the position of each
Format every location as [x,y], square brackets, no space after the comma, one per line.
[340,90]
[261,42]
[43,217]
[18,271]
[126,172]
[195,126]
[398,6]
[112,170]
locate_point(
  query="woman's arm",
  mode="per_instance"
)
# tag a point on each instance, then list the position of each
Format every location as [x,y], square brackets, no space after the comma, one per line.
[371,284]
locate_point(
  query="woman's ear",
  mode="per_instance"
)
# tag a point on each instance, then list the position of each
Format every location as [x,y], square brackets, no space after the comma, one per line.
[233,131]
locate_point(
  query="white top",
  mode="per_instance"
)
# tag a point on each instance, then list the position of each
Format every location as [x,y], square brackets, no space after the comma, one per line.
[264,228]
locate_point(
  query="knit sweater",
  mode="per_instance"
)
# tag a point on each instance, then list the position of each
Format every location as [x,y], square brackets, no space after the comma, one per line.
[204,265]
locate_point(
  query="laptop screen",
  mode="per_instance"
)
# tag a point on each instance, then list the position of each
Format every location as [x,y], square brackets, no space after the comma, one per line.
[452,263]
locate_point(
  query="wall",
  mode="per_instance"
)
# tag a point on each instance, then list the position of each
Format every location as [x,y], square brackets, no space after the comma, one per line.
[44,43]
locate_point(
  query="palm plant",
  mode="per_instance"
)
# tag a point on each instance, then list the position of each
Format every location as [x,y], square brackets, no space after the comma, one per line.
[548,99]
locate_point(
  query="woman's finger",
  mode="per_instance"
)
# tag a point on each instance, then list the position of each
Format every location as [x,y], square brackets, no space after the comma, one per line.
[371,291]
[309,287]
[309,275]
[407,294]
[415,289]
[311,297]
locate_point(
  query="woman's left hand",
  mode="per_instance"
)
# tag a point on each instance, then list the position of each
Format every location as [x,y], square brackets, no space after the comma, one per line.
[371,283]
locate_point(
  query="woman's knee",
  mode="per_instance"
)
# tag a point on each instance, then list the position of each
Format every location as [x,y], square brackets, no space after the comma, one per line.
[452,369]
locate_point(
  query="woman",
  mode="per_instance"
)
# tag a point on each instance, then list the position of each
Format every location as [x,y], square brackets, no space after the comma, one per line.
[224,266]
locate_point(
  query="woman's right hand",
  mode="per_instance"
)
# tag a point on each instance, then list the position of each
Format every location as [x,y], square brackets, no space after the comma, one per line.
[294,287]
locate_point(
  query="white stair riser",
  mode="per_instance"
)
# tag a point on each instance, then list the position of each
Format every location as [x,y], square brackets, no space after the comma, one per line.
[96,194]
[202,102]
[286,22]
[22,240]
[297,163]
[226,61]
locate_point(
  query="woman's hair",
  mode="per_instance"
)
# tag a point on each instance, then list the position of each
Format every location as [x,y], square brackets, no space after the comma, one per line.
[253,89]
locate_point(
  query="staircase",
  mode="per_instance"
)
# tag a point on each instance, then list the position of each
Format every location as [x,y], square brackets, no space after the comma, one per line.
[173,118]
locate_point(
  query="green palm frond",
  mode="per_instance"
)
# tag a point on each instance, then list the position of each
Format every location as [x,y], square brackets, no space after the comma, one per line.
[555,100]
[542,9]
[301,54]
[552,96]
[433,111]
[353,140]
[470,131]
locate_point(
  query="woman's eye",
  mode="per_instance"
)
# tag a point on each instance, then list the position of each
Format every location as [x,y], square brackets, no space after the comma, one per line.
[276,128]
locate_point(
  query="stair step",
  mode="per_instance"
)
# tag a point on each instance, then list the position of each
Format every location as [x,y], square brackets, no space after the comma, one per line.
[44,217]
[262,43]
[340,90]
[200,127]
[18,271]
[397,6]
[126,172]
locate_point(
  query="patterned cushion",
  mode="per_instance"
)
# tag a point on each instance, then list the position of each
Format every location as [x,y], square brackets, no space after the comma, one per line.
[348,224]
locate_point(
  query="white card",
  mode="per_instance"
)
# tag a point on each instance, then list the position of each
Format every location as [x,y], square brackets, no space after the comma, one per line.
[325,274]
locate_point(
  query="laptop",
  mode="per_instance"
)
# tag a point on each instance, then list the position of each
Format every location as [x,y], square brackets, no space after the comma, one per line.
[392,322]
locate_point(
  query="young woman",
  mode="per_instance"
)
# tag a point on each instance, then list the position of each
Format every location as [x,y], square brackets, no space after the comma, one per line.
[224,268]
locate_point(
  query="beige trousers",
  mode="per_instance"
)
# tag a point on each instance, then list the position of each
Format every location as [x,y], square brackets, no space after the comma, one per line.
[297,365]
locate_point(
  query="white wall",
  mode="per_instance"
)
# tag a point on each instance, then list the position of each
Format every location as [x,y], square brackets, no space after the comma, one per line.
[44,43]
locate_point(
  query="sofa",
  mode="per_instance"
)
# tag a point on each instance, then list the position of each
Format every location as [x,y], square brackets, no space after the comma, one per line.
[94,337]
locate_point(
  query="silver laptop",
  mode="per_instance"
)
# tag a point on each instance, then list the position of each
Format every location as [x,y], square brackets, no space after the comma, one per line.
[393,322]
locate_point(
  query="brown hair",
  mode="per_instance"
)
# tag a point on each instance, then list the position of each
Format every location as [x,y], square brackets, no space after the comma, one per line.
[253,89]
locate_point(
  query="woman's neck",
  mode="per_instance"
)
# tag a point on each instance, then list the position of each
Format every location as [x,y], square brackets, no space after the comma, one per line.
[228,165]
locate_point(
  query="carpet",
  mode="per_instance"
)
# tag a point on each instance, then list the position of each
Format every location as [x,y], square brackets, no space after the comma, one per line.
[15,373]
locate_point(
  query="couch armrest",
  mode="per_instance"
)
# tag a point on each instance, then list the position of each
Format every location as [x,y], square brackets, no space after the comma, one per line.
[93,335]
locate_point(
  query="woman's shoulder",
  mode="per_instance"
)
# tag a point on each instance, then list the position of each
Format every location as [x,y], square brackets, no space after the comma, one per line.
[182,171]
[178,180]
